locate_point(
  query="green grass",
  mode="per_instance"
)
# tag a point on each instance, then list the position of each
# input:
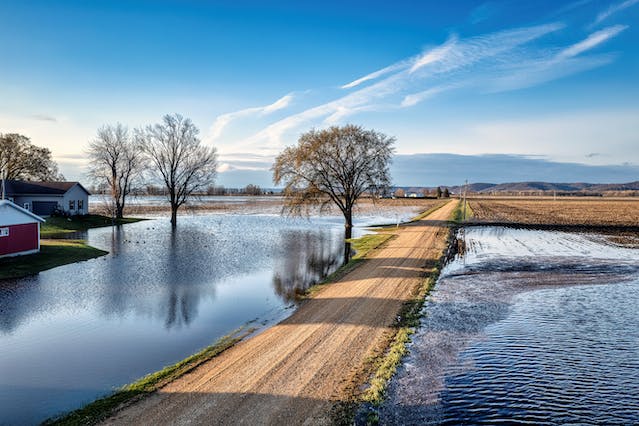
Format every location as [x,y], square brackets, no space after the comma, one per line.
[458,213]
[102,408]
[53,253]
[59,225]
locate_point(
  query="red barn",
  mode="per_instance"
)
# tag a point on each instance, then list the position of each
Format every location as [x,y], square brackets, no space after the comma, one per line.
[19,230]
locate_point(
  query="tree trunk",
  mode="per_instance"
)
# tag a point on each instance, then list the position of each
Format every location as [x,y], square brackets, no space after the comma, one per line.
[348,233]
[174,209]
[119,211]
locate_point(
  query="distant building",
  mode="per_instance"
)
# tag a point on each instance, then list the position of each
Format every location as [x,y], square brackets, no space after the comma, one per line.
[45,198]
[19,230]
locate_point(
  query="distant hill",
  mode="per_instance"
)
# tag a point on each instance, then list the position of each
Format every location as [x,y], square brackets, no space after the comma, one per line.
[577,187]
[535,187]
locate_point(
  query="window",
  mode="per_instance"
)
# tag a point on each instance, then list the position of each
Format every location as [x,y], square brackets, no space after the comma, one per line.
[71,204]
[80,204]
[4,232]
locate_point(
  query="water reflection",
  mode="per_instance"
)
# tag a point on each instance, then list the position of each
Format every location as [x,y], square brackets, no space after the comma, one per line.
[312,256]
[72,333]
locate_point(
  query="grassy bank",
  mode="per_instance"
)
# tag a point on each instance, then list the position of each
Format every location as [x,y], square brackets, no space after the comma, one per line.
[60,225]
[53,253]
[102,408]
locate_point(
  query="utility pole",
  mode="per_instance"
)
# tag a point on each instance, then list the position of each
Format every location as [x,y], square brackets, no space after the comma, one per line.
[4,174]
[464,205]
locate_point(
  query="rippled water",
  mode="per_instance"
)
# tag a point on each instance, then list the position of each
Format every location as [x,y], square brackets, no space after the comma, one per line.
[76,332]
[529,327]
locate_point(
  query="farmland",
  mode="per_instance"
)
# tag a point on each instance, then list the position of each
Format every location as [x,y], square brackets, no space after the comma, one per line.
[579,212]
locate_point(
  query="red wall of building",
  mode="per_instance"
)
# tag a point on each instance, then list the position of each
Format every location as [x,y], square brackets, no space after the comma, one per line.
[21,238]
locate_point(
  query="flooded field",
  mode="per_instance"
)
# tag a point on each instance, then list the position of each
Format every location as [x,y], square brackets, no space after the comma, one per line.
[531,327]
[76,332]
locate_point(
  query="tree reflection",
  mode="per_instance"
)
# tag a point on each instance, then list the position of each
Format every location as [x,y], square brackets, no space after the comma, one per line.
[310,257]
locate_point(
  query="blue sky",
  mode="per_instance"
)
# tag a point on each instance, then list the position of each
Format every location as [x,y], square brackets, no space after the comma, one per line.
[555,82]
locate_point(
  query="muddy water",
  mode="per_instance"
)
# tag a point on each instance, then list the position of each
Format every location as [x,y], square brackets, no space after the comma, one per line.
[76,332]
[528,327]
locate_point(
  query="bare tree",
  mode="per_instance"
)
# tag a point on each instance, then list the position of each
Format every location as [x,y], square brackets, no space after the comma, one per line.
[336,165]
[21,160]
[178,158]
[117,162]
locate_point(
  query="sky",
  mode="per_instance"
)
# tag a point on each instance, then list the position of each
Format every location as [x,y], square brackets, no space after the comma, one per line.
[549,84]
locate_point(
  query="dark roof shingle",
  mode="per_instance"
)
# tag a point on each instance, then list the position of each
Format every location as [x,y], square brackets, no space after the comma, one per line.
[32,188]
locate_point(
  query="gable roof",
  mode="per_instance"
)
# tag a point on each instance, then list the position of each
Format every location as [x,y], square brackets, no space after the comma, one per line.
[8,220]
[40,188]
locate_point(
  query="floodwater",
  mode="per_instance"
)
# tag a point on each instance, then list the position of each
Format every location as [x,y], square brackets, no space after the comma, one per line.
[76,332]
[529,327]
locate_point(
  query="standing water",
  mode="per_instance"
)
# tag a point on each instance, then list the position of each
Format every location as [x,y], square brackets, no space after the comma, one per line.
[76,332]
[528,327]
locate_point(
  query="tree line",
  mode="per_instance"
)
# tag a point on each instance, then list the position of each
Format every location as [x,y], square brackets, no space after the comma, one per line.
[337,165]
[169,153]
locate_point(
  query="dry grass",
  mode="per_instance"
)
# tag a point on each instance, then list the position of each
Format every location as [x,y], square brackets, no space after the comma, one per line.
[574,211]
[270,204]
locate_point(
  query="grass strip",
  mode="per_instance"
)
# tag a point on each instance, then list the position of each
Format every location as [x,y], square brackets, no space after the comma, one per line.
[102,408]
[53,253]
[458,214]
[60,225]
[408,321]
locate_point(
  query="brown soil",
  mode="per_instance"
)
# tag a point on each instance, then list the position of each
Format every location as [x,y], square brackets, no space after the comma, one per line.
[297,371]
[584,212]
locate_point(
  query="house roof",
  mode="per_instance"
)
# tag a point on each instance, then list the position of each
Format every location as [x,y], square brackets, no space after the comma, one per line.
[11,219]
[40,188]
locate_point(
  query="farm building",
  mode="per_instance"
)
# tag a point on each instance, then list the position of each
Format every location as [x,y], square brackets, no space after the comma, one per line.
[45,198]
[19,230]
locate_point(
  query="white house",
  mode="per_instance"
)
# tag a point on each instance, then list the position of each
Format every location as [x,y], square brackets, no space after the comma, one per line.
[19,230]
[45,198]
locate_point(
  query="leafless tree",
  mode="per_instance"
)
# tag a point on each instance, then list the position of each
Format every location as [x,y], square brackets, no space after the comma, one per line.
[21,160]
[117,162]
[178,158]
[336,165]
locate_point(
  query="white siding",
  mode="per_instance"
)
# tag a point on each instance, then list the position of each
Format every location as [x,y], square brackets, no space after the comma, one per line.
[9,216]
[75,194]
[22,199]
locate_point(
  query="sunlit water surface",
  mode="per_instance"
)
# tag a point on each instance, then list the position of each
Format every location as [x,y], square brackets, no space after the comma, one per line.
[76,332]
[529,327]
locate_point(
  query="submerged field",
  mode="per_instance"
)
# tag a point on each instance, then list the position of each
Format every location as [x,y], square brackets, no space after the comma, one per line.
[528,327]
[547,211]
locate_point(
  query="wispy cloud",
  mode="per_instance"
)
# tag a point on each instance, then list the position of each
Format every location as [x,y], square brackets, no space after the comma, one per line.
[415,98]
[405,77]
[223,120]
[44,117]
[379,73]
[483,12]
[552,65]
[618,7]
[500,61]
[593,40]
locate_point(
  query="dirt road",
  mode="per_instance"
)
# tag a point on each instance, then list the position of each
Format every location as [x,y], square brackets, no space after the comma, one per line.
[296,371]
